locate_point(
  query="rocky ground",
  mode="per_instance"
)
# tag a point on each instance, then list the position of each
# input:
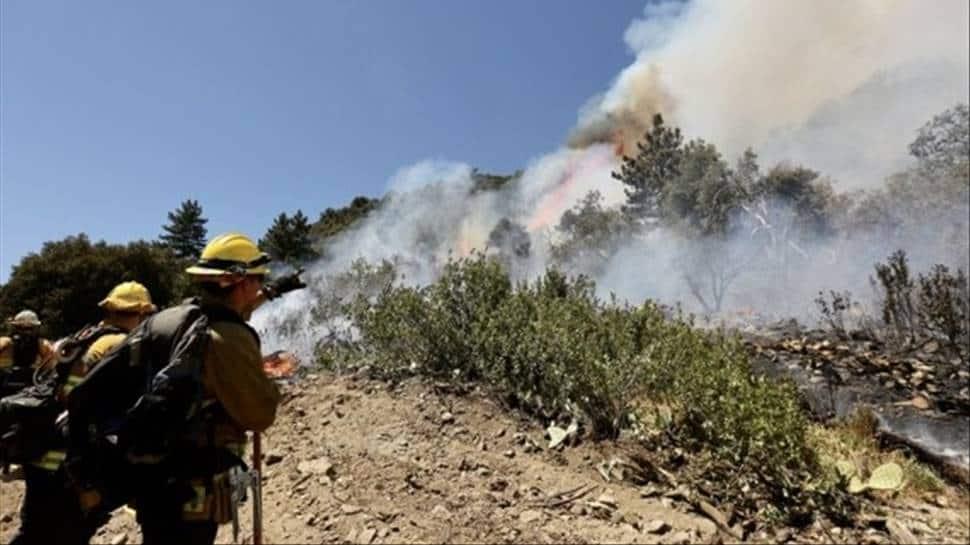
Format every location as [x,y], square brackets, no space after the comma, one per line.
[931,376]
[921,394]
[352,459]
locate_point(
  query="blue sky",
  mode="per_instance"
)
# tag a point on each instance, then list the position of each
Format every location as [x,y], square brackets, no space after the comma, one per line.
[112,113]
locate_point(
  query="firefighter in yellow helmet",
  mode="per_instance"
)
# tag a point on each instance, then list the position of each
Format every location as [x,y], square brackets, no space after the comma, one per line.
[22,352]
[125,306]
[48,496]
[232,275]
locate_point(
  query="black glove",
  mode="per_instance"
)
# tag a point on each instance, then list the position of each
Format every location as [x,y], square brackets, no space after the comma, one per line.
[284,284]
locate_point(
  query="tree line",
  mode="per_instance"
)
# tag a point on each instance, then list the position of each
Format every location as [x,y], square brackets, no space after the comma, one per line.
[731,218]
[65,279]
[683,186]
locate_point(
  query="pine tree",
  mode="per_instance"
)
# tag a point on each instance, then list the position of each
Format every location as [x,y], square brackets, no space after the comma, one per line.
[647,174]
[276,240]
[185,233]
[302,245]
[288,239]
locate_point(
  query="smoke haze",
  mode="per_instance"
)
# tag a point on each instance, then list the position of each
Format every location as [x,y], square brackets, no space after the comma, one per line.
[810,82]
[840,87]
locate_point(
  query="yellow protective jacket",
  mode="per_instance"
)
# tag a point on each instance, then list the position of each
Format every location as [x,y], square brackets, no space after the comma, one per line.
[44,352]
[91,356]
[52,459]
[233,377]
[241,397]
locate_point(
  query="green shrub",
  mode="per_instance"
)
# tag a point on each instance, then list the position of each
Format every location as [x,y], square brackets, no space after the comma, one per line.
[553,349]
[64,281]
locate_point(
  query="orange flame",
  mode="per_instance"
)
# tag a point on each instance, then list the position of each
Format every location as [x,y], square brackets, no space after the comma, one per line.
[280,364]
[579,167]
[553,202]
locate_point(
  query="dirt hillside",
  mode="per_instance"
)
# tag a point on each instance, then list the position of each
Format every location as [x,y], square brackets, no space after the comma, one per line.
[352,459]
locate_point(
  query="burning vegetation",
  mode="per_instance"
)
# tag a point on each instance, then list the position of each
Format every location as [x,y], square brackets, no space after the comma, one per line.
[531,318]
[642,284]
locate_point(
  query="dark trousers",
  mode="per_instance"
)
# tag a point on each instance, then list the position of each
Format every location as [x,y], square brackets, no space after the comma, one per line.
[162,522]
[161,508]
[51,513]
[179,531]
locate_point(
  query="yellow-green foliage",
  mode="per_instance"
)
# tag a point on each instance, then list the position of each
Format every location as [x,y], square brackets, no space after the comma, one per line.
[850,450]
[553,348]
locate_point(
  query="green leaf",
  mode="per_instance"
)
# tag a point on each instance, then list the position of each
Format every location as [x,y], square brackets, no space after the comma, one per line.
[886,477]
[845,469]
[856,486]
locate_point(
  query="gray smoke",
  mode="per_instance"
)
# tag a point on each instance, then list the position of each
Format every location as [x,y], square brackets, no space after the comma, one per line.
[840,87]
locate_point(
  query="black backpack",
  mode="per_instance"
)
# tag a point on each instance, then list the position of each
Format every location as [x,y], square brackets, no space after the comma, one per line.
[18,376]
[27,417]
[27,423]
[130,413]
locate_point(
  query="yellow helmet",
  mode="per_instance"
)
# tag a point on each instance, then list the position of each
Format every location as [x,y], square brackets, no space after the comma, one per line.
[25,319]
[230,254]
[129,297]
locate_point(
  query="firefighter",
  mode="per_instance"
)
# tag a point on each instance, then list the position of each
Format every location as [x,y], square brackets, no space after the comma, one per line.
[22,352]
[50,512]
[237,395]
[126,306]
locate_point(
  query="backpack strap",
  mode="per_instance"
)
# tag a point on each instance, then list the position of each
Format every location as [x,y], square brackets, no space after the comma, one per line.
[76,344]
[73,349]
[209,409]
[206,409]
[220,313]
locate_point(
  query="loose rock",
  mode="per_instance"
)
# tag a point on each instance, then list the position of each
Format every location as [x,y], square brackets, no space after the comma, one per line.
[682,537]
[367,535]
[348,509]
[900,532]
[319,466]
[529,516]
[273,458]
[440,511]
[607,499]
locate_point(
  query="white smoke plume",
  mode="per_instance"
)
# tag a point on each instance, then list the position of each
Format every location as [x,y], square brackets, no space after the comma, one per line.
[840,87]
